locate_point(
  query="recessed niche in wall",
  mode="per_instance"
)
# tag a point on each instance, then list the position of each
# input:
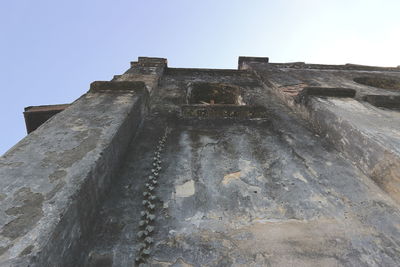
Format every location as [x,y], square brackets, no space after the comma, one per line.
[384,101]
[218,101]
[384,82]
[213,94]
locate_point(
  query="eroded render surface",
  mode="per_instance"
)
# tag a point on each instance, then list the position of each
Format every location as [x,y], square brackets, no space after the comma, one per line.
[299,166]
[260,192]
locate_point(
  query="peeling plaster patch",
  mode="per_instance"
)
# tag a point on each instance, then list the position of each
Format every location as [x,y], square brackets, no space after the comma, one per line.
[231,176]
[185,190]
[300,177]
[2,196]
[328,163]
[28,214]
[244,188]
[272,236]
[67,158]
[307,243]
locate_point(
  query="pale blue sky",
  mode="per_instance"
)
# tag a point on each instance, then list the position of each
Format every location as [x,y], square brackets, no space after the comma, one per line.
[51,50]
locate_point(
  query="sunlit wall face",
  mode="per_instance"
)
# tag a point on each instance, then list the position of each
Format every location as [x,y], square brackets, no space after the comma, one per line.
[51,50]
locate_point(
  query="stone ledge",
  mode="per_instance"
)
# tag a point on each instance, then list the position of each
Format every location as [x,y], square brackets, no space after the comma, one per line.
[307,92]
[223,112]
[116,86]
[37,115]
[200,71]
[353,128]
[377,153]
[150,62]
[244,60]
[303,65]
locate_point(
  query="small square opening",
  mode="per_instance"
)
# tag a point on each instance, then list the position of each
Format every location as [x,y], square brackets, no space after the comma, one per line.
[213,94]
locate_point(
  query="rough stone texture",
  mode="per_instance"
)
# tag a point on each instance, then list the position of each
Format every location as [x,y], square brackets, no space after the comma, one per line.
[116,86]
[255,192]
[223,111]
[147,69]
[303,171]
[368,135]
[52,181]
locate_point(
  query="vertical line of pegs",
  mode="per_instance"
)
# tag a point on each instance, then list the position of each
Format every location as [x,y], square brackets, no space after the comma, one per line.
[148,213]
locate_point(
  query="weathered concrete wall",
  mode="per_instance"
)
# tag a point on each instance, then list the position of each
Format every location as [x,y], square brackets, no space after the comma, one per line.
[248,190]
[52,182]
[368,135]
[253,192]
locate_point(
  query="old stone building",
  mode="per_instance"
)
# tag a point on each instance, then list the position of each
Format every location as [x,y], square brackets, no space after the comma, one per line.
[273,164]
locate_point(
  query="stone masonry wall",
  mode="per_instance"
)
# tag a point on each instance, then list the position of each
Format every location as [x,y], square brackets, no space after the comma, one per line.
[51,183]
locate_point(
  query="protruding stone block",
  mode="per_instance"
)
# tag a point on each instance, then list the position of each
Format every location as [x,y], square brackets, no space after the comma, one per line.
[115,86]
[223,112]
[244,60]
[37,115]
[150,62]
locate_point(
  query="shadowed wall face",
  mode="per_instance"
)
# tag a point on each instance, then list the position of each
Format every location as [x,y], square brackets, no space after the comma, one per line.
[209,93]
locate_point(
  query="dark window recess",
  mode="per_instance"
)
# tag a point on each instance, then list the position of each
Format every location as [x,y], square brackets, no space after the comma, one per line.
[218,101]
[384,101]
[383,82]
[213,93]
[307,92]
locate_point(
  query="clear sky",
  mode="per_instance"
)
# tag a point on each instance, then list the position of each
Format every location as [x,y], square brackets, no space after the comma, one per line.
[51,50]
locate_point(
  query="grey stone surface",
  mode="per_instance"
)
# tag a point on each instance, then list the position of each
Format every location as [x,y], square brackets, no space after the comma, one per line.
[368,135]
[52,181]
[256,192]
[310,180]
[147,69]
